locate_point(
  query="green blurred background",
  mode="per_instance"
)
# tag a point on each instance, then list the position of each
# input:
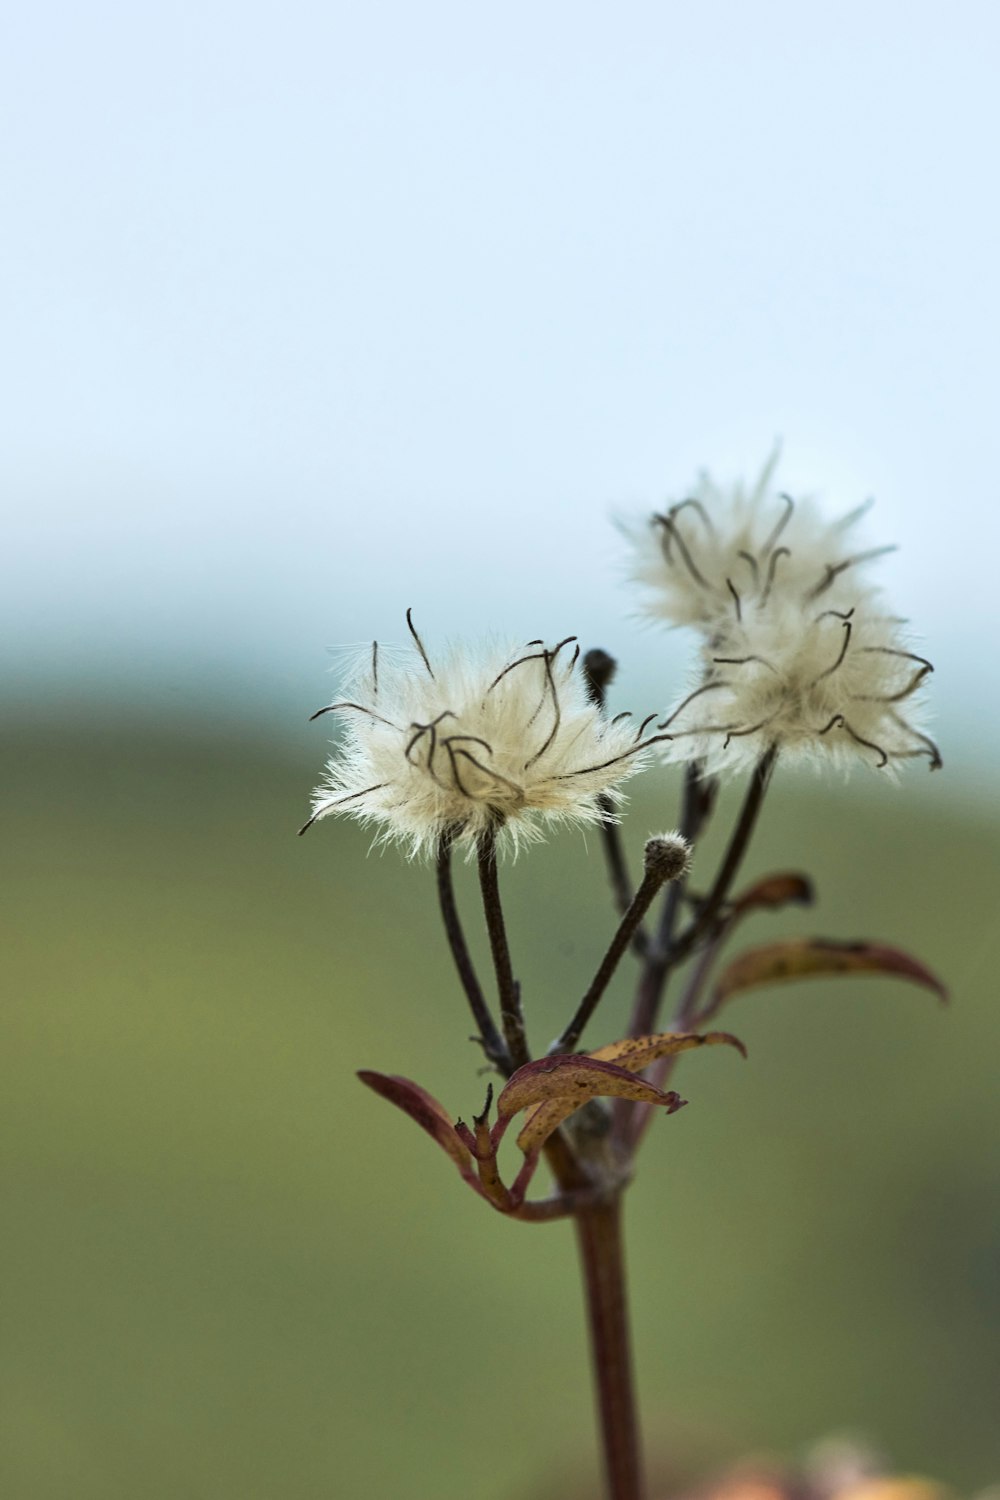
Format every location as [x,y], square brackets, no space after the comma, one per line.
[230,1271]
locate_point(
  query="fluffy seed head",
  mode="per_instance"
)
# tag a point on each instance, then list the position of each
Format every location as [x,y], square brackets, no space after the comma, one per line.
[816,681]
[475,740]
[720,550]
[797,650]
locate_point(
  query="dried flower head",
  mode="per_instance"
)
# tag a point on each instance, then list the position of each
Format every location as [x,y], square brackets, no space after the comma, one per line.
[794,673]
[798,653]
[495,740]
[720,547]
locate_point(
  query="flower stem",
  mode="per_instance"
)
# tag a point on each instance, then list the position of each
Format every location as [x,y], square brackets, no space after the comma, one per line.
[738,844]
[602,1260]
[492,1042]
[637,909]
[511,1014]
[614,854]
[696,807]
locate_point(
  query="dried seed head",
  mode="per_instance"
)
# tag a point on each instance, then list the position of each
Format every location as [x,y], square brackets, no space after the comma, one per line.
[719,552]
[832,684]
[837,686]
[797,648]
[475,740]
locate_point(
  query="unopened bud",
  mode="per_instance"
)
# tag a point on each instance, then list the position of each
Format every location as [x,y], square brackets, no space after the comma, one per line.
[598,670]
[667,856]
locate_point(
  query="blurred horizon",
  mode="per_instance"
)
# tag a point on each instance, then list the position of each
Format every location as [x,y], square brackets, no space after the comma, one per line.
[318,312]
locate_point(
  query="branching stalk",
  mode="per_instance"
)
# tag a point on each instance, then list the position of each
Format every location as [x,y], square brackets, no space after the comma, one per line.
[736,850]
[696,804]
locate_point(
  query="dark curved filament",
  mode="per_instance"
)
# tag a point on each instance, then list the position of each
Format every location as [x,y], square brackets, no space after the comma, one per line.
[782,523]
[839,722]
[709,687]
[848,627]
[772,564]
[339,802]
[673,530]
[419,643]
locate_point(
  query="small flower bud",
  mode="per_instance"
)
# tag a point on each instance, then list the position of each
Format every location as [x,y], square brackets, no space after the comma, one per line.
[598,670]
[668,856]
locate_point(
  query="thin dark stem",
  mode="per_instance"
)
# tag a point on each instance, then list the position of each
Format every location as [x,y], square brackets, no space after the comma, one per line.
[736,850]
[598,670]
[511,1015]
[599,1238]
[614,854]
[640,904]
[630,1124]
[492,1042]
[696,803]
[634,1123]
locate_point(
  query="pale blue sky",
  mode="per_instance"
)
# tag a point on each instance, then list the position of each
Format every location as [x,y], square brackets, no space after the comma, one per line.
[313,312]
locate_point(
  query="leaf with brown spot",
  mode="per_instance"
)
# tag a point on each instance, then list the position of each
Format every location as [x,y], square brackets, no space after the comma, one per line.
[425,1109]
[805,958]
[637,1052]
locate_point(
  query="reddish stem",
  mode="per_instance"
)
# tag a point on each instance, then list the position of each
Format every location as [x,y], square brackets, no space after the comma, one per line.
[602,1258]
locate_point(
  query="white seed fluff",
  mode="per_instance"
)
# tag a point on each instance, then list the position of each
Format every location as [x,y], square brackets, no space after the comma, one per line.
[812,680]
[721,548]
[472,741]
[797,651]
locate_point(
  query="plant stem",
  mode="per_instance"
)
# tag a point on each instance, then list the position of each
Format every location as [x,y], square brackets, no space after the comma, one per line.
[492,1042]
[696,805]
[614,854]
[602,1260]
[670,951]
[637,909]
[738,844]
[511,1014]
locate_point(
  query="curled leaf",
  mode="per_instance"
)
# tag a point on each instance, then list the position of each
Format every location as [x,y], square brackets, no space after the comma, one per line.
[804,958]
[637,1052]
[425,1109]
[564,1082]
[562,1076]
[783,889]
[632,1054]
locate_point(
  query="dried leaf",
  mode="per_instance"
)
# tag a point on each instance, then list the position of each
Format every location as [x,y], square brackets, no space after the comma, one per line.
[557,1086]
[425,1109]
[803,958]
[784,889]
[564,1076]
[636,1053]
[632,1054]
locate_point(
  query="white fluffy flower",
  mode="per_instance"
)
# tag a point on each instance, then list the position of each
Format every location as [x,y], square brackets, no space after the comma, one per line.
[497,739]
[797,651]
[719,549]
[805,677]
